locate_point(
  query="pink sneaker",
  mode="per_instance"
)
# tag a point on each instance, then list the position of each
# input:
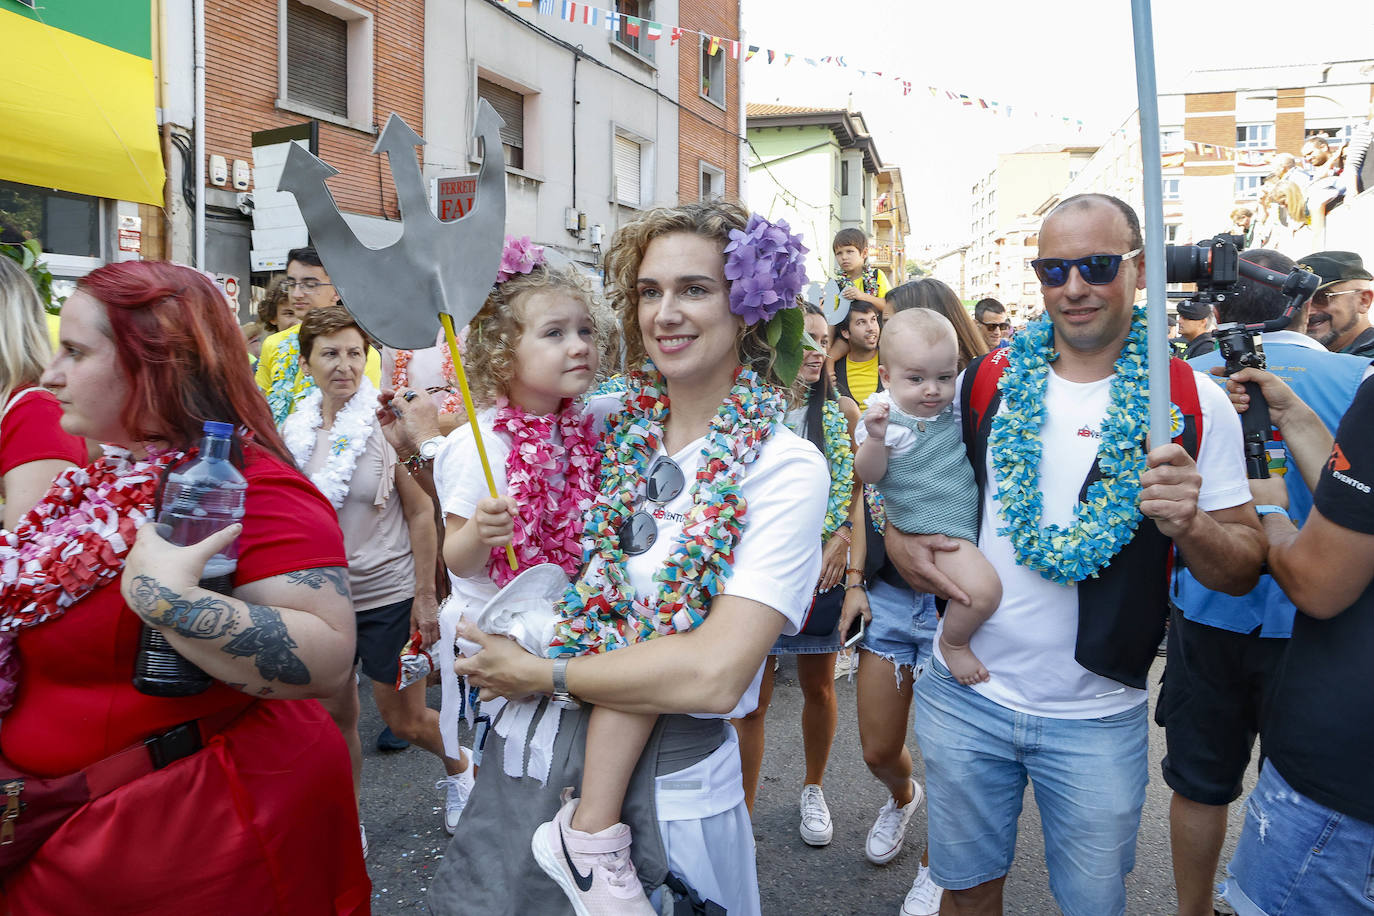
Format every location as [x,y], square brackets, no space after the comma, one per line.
[593,869]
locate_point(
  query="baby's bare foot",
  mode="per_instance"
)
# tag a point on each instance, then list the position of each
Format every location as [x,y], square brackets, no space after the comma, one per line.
[963,664]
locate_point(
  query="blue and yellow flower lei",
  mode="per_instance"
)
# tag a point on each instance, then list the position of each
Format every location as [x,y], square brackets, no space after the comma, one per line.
[841,459]
[288,383]
[1106,520]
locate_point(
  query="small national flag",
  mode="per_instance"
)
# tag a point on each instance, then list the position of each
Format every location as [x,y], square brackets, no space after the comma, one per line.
[906,87]
[825,60]
[771,55]
[753,49]
[546,7]
[632,26]
[675,36]
[653,30]
[569,11]
[525,3]
[787,58]
[590,15]
[932,91]
[982,104]
[965,99]
[810,61]
[840,60]
[612,20]
[734,48]
[714,46]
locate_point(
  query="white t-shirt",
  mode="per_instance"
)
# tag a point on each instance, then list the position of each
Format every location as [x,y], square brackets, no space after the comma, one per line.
[778,559]
[1028,644]
[460,484]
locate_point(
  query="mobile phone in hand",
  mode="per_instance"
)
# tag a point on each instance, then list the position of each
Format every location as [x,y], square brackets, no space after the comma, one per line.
[856,632]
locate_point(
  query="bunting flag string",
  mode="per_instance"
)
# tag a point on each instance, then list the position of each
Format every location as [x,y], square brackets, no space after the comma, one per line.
[1251,157]
[638,27]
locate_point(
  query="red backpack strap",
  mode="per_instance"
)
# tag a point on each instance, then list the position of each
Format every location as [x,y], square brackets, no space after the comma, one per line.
[978,402]
[1183,395]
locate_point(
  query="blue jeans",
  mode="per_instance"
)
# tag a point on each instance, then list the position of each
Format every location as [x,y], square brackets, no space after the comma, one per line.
[903,626]
[1297,856]
[1089,777]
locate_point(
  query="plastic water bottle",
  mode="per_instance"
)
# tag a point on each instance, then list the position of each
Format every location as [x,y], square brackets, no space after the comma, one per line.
[200,498]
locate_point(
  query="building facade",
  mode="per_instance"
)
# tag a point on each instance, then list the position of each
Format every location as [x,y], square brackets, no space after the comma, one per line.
[816,168]
[710,145]
[891,224]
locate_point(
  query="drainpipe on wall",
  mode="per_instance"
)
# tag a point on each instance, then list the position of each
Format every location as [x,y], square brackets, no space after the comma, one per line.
[199,231]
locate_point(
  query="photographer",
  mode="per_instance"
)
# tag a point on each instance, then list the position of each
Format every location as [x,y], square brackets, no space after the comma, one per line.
[1309,826]
[1223,651]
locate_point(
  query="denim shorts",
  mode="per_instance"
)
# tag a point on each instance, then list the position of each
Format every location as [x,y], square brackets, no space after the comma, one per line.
[903,626]
[1296,856]
[1089,777]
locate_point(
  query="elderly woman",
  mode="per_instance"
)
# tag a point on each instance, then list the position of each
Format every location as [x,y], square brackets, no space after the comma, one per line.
[33,447]
[389,532]
[241,792]
[703,407]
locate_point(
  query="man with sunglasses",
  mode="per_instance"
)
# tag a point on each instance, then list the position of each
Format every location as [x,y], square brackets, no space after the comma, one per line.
[1070,646]
[1338,317]
[991,317]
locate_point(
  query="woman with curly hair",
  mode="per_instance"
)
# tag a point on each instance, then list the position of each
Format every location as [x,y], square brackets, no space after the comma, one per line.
[238,796]
[694,569]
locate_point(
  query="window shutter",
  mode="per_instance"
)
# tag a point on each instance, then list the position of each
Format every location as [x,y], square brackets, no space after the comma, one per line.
[510,105]
[627,172]
[316,58]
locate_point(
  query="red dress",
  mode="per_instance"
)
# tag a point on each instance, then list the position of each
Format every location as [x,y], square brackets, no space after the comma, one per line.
[261,820]
[31,431]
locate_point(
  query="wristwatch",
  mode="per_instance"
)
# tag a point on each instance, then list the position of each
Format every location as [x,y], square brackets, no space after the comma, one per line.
[1271,510]
[561,697]
[428,451]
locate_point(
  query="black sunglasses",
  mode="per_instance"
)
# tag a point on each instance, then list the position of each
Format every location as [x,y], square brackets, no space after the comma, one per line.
[997,326]
[663,484]
[1097,269]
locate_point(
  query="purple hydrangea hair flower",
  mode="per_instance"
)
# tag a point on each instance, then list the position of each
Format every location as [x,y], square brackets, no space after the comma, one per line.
[519,256]
[765,267]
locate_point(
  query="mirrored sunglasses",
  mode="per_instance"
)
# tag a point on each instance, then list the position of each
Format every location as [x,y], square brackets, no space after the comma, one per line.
[664,482]
[1096,269]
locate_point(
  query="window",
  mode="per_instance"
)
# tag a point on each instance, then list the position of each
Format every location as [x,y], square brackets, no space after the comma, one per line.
[324,66]
[510,105]
[630,35]
[629,155]
[844,179]
[1254,136]
[1171,189]
[712,73]
[1171,232]
[65,224]
[1247,186]
[712,182]
[1335,135]
[1171,140]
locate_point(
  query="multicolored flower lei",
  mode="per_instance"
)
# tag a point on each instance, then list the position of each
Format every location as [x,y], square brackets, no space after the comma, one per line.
[73,542]
[551,483]
[600,611]
[287,382]
[1106,520]
[841,459]
[877,513]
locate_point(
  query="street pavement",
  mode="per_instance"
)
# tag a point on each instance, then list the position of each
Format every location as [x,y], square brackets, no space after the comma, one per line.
[402,813]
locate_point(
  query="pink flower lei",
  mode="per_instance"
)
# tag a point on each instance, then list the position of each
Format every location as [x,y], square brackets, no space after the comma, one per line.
[73,542]
[548,524]
[400,376]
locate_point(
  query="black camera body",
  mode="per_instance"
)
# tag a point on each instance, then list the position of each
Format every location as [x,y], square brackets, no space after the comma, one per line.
[1215,266]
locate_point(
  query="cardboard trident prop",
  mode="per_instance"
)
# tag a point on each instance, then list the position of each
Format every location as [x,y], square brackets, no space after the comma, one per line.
[436,273]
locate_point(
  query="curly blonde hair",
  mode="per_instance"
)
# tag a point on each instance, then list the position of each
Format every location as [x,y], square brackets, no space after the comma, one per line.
[495,333]
[708,219]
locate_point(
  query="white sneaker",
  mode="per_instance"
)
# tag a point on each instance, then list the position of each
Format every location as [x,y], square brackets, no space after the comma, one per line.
[924,897]
[362,832]
[888,832]
[593,869]
[456,790]
[816,828]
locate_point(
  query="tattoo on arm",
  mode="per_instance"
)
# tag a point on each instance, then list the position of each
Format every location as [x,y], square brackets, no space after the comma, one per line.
[267,641]
[205,618]
[321,576]
[270,645]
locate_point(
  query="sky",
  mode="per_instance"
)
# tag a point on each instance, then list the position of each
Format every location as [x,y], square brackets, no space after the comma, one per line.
[1070,58]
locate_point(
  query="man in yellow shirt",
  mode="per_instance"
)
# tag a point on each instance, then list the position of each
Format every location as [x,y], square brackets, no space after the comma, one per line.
[856,373]
[279,372]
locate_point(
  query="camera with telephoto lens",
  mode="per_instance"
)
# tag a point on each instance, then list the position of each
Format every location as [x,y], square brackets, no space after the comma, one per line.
[1215,266]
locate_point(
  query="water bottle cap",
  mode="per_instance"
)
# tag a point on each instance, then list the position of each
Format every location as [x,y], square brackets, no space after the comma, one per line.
[216,428]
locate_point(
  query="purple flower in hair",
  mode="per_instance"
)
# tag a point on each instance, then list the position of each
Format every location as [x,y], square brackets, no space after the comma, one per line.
[519,256]
[764,265]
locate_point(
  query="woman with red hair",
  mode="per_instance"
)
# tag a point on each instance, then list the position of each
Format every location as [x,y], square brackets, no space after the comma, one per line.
[238,798]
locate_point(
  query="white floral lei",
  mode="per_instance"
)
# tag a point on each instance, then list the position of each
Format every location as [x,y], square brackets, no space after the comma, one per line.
[347,437]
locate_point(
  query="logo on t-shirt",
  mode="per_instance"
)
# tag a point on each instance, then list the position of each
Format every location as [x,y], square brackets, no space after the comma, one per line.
[1337,463]
[1087,432]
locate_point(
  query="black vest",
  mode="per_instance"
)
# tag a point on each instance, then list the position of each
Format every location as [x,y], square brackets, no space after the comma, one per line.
[1122,610]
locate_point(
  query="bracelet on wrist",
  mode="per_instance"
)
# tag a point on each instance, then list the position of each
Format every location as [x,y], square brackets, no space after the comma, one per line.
[843,535]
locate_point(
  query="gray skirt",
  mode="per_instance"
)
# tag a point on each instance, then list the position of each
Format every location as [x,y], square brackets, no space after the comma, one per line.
[489,867]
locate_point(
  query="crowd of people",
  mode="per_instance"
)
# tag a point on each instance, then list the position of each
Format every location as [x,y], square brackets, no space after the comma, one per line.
[670,481]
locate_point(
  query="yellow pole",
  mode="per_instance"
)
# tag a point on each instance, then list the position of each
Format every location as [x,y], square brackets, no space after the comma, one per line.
[447,321]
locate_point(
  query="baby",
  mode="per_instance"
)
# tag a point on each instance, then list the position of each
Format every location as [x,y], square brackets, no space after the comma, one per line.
[910,447]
